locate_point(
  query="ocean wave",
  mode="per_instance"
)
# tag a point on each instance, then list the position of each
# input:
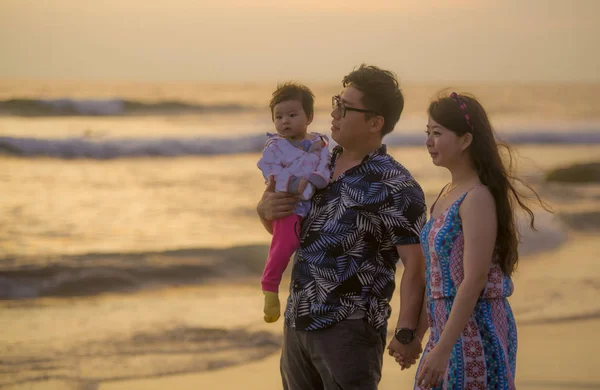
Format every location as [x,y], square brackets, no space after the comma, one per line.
[109,107]
[95,273]
[179,350]
[584,221]
[116,148]
[27,277]
[83,147]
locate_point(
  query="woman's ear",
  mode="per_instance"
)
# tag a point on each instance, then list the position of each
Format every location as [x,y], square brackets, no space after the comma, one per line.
[466,141]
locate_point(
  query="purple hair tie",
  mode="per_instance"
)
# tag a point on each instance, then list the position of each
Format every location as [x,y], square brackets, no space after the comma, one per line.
[463,108]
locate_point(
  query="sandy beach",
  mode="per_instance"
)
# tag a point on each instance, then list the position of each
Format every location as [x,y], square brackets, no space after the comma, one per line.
[556,350]
[555,302]
[538,365]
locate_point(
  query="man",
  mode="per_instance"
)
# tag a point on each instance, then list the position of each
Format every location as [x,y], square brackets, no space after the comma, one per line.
[368,217]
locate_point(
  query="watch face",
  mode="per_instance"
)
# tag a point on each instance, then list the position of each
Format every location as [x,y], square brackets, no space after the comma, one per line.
[405,336]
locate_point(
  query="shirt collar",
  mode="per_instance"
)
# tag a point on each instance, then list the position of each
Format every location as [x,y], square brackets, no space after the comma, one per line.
[381,151]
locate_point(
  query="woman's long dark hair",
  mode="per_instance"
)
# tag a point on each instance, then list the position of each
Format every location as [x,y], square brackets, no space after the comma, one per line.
[493,173]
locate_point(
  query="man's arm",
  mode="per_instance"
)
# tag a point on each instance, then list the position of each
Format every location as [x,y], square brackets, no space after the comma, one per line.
[412,285]
[405,224]
[423,324]
[412,290]
[421,330]
[268,225]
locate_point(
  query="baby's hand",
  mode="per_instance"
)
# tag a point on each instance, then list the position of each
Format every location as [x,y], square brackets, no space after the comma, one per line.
[302,185]
[305,189]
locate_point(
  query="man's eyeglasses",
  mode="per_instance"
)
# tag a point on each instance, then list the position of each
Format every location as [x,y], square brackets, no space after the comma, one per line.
[336,102]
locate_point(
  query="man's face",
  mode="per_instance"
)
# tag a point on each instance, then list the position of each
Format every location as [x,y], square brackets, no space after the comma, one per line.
[290,119]
[353,128]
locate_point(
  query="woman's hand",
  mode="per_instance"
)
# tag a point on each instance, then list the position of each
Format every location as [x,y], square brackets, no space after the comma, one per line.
[433,368]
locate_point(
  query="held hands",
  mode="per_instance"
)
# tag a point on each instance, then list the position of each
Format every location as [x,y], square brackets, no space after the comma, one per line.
[405,355]
[275,205]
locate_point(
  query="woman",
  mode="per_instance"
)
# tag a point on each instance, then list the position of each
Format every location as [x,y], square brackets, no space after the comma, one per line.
[470,244]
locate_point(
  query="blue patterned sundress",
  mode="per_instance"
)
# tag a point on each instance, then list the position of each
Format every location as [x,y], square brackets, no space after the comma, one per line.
[484,356]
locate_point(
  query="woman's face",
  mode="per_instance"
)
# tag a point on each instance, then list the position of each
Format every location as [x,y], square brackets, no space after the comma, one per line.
[445,147]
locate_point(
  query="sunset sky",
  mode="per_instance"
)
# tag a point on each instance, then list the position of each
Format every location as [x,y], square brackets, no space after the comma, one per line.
[265,40]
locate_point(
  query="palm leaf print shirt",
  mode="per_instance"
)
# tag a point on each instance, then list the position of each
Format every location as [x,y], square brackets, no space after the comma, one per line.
[347,257]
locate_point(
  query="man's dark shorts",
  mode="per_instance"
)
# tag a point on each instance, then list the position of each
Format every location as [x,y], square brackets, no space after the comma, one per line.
[347,355]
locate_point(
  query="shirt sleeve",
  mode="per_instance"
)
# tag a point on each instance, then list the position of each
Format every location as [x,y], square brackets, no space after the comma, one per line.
[320,177]
[270,163]
[405,213]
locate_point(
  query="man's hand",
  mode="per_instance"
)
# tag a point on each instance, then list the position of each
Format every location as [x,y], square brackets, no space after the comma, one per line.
[405,355]
[275,205]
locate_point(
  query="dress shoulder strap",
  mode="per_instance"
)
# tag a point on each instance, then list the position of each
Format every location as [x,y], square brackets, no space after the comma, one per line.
[463,196]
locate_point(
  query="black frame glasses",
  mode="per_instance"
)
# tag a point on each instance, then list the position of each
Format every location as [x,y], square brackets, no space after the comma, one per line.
[336,102]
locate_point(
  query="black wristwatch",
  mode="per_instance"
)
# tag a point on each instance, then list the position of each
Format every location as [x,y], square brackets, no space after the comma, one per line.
[405,335]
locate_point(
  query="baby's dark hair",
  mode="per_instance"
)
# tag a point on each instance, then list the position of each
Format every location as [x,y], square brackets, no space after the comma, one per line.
[294,91]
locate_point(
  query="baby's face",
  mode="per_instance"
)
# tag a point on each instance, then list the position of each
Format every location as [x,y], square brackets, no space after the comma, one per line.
[290,119]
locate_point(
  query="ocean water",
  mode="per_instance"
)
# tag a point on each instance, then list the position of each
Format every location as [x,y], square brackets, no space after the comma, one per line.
[121,197]
[105,121]
[100,180]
